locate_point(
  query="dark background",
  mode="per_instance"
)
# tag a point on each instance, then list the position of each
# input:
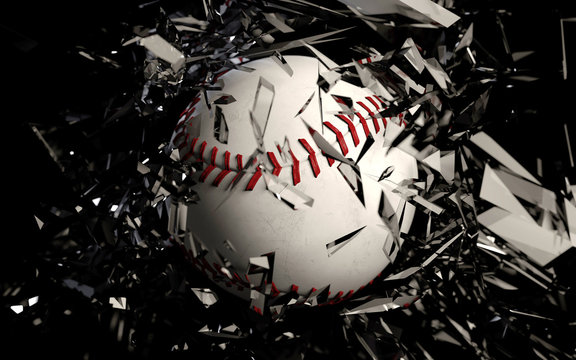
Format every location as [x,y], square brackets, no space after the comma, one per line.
[43,78]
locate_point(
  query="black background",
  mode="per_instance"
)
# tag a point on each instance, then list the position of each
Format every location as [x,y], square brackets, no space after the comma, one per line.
[43,78]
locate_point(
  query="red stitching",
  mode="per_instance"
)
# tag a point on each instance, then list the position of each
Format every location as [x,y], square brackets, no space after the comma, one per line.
[190,152]
[183,144]
[339,137]
[222,174]
[254,179]
[221,177]
[238,175]
[180,125]
[220,74]
[351,127]
[364,124]
[338,99]
[239,161]
[384,121]
[374,119]
[190,109]
[274,290]
[193,144]
[204,266]
[237,277]
[216,269]
[185,111]
[311,157]
[206,172]
[213,155]
[401,118]
[202,148]
[277,167]
[227,160]
[257,309]
[295,168]
[177,137]
[195,100]
[364,61]
[337,297]
[189,114]
[186,139]
[373,102]
[330,160]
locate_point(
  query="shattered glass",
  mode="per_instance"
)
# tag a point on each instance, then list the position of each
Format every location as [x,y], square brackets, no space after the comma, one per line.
[107,165]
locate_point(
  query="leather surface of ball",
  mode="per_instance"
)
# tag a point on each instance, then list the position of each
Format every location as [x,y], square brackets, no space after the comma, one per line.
[295,180]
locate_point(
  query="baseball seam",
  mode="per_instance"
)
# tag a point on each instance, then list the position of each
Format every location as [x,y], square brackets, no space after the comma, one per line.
[197,153]
[182,140]
[215,271]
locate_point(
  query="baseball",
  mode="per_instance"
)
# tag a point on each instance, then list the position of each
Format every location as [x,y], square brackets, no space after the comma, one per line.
[295,182]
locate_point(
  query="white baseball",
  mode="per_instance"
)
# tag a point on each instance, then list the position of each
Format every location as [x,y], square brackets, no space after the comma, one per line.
[274,215]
